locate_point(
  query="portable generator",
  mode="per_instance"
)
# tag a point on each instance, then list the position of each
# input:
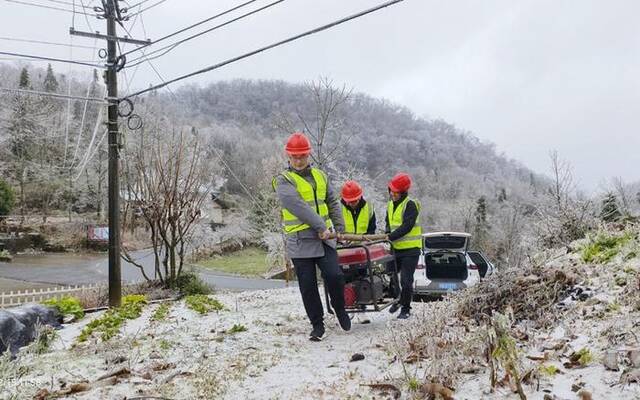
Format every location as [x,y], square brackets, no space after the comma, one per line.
[371,277]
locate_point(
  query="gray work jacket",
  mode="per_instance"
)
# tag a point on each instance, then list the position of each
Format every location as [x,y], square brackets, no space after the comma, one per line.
[306,243]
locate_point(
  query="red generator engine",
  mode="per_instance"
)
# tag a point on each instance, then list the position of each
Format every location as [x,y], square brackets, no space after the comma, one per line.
[370,276]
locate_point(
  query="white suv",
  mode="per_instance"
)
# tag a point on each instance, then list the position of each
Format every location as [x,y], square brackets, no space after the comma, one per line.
[445,265]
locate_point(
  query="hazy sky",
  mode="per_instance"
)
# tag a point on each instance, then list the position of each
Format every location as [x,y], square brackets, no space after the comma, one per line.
[530,76]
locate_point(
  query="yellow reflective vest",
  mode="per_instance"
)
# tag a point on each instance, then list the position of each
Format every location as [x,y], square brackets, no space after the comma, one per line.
[315,197]
[362,223]
[411,240]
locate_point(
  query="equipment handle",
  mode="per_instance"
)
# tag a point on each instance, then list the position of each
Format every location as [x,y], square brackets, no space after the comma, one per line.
[358,238]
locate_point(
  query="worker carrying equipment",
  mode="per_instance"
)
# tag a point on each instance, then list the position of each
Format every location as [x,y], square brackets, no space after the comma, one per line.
[310,211]
[359,216]
[405,234]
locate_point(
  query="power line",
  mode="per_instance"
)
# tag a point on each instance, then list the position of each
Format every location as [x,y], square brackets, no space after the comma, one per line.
[10,39]
[57,95]
[254,52]
[149,61]
[192,26]
[175,98]
[85,17]
[148,8]
[51,59]
[91,155]
[170,47]
[144,31]
[137,4]
[84,114]
[23,59]
[68,4]
[26,3]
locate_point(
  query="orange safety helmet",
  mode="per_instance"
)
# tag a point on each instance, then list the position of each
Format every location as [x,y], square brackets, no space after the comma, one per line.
[298,145]
[351,191]
[400,183]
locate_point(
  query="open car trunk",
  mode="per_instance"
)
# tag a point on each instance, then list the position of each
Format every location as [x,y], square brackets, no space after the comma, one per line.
[479,260]
[446,265]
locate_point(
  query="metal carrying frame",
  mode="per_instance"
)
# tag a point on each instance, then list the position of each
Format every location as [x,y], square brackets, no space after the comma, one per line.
[390,260]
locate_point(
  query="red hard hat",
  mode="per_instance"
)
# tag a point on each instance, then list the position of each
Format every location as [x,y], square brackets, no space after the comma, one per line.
[351,191]
[400,183]
[298,145]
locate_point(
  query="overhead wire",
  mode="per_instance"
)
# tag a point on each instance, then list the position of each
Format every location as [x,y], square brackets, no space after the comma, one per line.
[150,63]
[172,46]
[61,60]
[26,3]
[84,114]
[260,50]
[177,99]
[90,157]
[46,42]
[55,95]
[137,4]
[190,26]
[30,60]
[148,8]
[68,4]
[86,18]
[68,119]
[120,49]
[144,31]
[86,157]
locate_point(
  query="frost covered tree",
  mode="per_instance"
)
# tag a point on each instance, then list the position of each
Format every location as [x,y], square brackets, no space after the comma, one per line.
[7,198]
[610,211]
[50,83]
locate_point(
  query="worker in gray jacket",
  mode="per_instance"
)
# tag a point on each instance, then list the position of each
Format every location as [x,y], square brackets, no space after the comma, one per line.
[310,211]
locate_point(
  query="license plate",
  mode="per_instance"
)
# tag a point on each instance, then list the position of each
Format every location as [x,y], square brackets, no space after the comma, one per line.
[447,286]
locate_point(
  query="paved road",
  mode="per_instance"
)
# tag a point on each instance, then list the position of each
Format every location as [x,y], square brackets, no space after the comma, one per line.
[72,269]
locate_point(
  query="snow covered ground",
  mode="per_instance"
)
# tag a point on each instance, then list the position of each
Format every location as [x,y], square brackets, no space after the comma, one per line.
[189,356]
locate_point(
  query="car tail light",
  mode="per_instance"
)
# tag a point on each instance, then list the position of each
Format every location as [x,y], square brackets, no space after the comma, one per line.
[473,266]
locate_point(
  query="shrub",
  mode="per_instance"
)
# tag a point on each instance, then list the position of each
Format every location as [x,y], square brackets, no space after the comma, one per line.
[236,328]
[161,313]
[203,304]
[603,248]
[67,305]
[45,335]
[585,356]
[189,283]
[110,322]
[7,198]
[548,370]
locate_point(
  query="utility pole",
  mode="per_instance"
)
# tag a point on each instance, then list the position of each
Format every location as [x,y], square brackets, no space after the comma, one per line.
[115,289]
[112,14]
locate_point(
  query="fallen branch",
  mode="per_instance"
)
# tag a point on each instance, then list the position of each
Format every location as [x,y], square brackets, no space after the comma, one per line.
[385,387]
[119,372]
[437,388]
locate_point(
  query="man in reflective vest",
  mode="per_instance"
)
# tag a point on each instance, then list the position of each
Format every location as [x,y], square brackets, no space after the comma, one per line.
[310,210]
[404,232]
[359,216]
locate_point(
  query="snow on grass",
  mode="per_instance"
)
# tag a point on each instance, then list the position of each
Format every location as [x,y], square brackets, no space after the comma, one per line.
[186,355]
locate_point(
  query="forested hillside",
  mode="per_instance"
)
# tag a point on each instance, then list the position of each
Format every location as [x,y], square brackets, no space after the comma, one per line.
[54,152]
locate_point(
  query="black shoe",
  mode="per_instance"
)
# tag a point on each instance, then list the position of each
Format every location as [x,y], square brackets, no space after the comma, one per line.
[344,320]
[404,314]
[394,307]
[317,334]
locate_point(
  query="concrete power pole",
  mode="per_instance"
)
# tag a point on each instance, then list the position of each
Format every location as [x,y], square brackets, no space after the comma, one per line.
[114,64]
[115,289]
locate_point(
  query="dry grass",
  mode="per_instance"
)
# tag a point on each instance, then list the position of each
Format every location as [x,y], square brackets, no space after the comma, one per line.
[99,297]
[531,292]
[436,348]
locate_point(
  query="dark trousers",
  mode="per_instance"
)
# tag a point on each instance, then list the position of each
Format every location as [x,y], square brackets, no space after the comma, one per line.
[308,282]
[406,268]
